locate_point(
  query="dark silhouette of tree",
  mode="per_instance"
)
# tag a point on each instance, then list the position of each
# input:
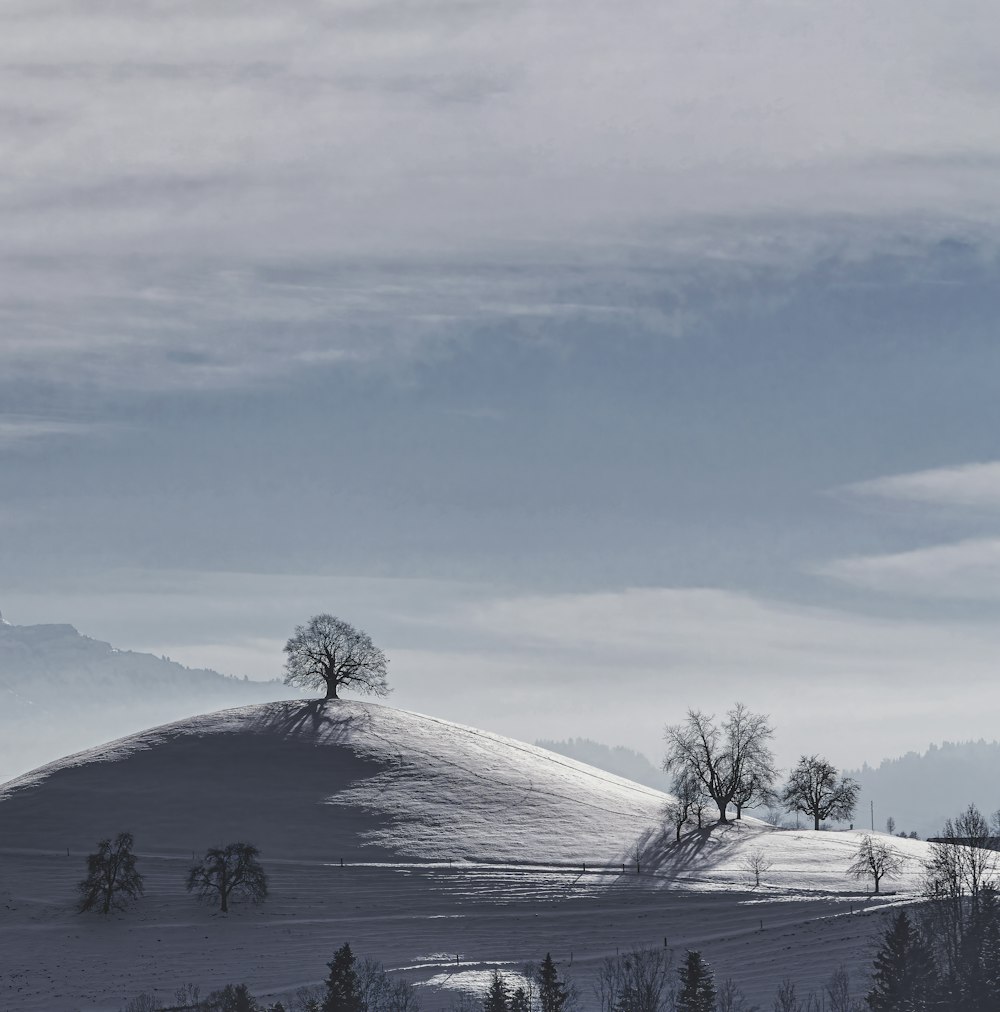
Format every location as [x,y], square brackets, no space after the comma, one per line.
[497,997]
[687,798]
[697,992]
[724,758]
[814,789]
[343,988]
[328,653]
[112,881]
[634,981]
[875,859]
[552,992]
[755,789]
[227,871]
[232,998]
[520,1000]
[903,975]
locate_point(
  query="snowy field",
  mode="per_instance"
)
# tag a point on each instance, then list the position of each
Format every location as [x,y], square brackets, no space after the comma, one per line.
[461,850]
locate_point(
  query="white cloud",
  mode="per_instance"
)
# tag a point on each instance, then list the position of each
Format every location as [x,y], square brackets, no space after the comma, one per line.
[179,151]
[976,485]
[964,570]
[19,430]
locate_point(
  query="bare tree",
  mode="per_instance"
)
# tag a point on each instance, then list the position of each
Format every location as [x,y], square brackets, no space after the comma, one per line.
[112,880]
[756,863]
[876,860]
[227,871]
[890,826]
[328,653]
[687,795]
[755,788]
[635,981]
[732,999]
[814,789]
[724,758]
[838,991]
[959,873]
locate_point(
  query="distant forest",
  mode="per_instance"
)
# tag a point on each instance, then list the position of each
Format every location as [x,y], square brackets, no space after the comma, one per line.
[623,762]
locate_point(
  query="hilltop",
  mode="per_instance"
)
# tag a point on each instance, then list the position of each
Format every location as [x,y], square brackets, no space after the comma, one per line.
[461,850]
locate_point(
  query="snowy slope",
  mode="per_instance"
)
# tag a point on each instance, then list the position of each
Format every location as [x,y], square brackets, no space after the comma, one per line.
[455,842]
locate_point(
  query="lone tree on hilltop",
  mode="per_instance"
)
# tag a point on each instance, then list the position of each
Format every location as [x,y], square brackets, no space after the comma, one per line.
[813,789]
[112,880]
[227,871]
[329,653]
[876,860]
[723,758]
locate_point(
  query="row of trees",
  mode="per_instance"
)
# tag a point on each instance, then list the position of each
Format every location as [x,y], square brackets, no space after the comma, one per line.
[730,763]
[113,881]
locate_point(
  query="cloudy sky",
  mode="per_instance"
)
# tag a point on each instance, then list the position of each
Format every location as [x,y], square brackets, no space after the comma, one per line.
[599,360]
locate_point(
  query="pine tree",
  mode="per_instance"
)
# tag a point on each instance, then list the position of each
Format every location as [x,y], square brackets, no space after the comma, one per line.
[497,998]
[343,989]
[112,879]
[552,992]
[903,976]
[697,985]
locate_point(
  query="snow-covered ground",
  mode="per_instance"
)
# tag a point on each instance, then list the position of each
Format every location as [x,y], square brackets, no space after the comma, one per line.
[461,850]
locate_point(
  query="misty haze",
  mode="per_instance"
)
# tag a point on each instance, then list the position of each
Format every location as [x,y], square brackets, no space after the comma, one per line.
[499,506]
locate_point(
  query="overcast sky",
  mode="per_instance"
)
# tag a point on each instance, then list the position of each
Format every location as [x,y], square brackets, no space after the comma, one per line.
[600,360]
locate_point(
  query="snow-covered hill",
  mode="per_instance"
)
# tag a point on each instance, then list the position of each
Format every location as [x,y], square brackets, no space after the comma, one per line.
[461,849]
[60,691]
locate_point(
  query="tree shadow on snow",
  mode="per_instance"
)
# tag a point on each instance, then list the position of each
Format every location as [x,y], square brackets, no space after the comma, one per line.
[326,720]
[697,851]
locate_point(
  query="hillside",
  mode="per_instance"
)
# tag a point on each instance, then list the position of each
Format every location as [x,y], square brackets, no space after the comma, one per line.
[461,850]
[617,759]
[61,691]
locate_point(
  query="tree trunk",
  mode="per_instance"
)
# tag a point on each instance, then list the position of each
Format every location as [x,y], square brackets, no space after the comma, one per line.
[816,821]
[739,810]
[331,690]
[722,811]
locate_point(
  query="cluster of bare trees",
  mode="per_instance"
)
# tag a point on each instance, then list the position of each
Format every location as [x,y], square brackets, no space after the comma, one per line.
[113,881]
[729,764]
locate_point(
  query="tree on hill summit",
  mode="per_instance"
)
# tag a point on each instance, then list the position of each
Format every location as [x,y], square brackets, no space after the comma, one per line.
[814,790]
[330,654]
[112,880]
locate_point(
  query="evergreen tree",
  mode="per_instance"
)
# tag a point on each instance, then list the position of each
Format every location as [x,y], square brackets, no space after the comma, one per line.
[343,989]
[112,880]
[497,998]
[903,977]
[697,992]
[552,992]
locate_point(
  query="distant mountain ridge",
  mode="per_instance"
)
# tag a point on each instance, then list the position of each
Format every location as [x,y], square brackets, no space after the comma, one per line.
[61,691]
[920,790]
